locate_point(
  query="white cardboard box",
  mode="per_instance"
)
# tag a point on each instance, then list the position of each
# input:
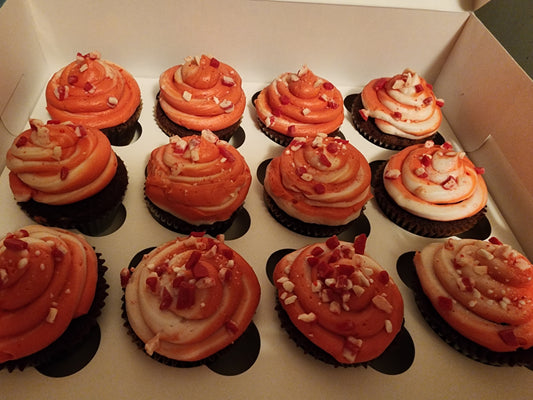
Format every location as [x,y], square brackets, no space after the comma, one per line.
[487,96]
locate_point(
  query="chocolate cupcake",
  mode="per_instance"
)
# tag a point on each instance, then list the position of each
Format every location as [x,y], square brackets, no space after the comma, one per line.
[196,183]
[317,186]
[431,190]
[336,303]
[299,105]
[66,175]
[202,93]
[97,93]
[189,299]
[397,112]
[51,301]
[478,296]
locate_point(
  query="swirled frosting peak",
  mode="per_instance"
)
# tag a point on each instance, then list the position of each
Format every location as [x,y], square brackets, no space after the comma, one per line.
[202,93]
[483,289]
[191,297]
[340,299]
[59,163]
[48,277]
[403,105]
[321,180]
[435,182]
[92,92]
[199,179]
[300,104]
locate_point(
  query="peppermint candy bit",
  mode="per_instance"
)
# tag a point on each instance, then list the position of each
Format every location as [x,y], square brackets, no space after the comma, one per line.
[364,113]
[359,244]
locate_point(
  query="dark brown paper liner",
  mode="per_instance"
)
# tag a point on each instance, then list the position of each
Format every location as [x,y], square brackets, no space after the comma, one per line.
[177,225]
[122,134]
[280,138]
[415,224]
[305,344]
[170,128]
[88,215]
[295,225]
[369,130]
[75,334]
[462,344]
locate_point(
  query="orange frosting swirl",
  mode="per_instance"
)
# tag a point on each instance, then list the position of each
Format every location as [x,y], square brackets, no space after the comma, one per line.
[403,105]
[92,92]
[435,182]
[322,180]
[199,179]
[190,297]
[59,163]
[203,93]
[484,290]
[301,104]
[48,277]
[340,299]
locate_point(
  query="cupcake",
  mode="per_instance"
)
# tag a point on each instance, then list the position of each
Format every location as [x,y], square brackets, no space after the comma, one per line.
[431,190]
[196,183]
[298,105]
[188,299]
[483,290]
[317,186]
[344,306]
[49,279]
[66,175]
[397,112]
[202,93]
[97,93]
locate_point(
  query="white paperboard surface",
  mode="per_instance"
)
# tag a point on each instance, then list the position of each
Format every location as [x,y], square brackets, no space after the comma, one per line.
[361,43]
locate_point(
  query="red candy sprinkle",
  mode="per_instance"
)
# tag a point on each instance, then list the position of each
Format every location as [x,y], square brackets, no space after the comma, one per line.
[63,173]
[291,129]
[88,87]
[312,261]
[166,300]
[397,115]
[186,294]
[508,337]
[301,170]
[328,85]
[495,240]
[200,271]
[383,277]
[227,253]
[440,103]
[445,303]
[480,170]
[276,112]
[332,242]
[15,244]
[345,269]
[224,152]
[124,277]
[151,282]
[324,270]
[319,188]
[380,84]
[469,287]
[428,100]
[317,251]
[193,259]
[161,269]
[21,141]
[57,255]
[232,327]
[363,115]
[214,63]
[332,147]
[284,99]
[447,146]
[72,79]
[419,88]
[197,234]
[450,183]
[359,244]
[324,160]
